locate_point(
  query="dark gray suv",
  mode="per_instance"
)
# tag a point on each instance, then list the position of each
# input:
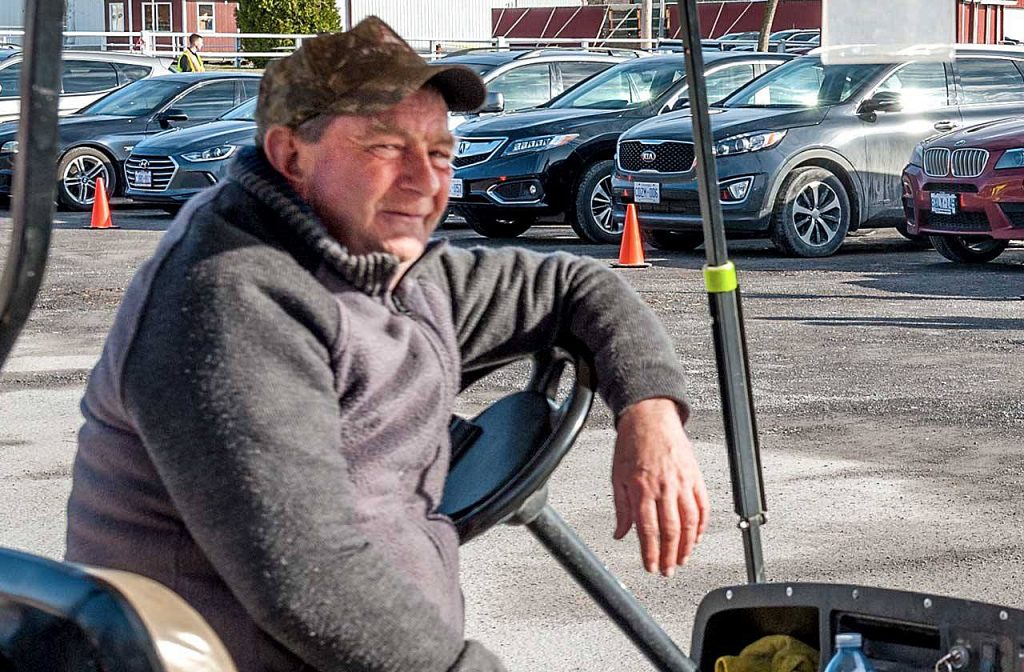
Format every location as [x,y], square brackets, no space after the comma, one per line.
[809,152]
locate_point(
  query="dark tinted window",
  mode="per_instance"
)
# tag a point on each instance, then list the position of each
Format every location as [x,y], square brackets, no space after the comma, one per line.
[250,88]
[522,87]
[208,101]
[88,77]
[990,80]
[574,73]
[132,73]
[10,77]
[922,86]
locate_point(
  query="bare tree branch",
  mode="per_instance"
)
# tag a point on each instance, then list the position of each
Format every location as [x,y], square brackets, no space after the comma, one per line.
[766,24]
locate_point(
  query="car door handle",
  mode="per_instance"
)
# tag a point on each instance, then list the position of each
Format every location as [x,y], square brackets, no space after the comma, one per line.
[945,125]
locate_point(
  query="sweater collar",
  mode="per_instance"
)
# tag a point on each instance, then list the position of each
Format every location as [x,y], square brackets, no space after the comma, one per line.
[369,273]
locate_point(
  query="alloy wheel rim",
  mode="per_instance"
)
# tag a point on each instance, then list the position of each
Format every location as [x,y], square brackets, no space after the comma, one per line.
[80,178]
[601,206]
[817,214]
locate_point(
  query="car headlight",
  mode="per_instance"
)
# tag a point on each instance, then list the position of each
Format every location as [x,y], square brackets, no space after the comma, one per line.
[218,153]
[917,156]
[749,142]
[537,144]
[9,147]
[1011,158]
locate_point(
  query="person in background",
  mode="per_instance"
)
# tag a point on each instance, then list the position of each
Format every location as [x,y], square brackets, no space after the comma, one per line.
[190,60]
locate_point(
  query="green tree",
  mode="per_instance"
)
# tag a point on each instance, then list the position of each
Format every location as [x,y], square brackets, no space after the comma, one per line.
[283,16]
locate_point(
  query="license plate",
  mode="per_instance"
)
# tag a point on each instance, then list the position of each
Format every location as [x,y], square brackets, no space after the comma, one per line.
[455,190]
[647,192]
[944,204]
[143,178]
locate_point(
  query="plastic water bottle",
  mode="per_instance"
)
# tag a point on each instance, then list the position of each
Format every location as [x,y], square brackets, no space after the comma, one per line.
[849,655]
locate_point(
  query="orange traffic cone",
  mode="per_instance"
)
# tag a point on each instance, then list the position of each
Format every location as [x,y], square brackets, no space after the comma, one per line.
[631,252]
[101,209]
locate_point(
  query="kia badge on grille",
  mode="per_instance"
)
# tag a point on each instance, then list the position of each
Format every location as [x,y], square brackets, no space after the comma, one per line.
[648,156]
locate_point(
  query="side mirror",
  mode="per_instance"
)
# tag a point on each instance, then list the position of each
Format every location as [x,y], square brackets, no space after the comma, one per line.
[173,114]
[680,104]
[883,101]
[495,102]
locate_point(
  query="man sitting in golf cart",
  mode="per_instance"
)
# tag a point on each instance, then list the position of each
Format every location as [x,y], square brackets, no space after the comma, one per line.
[267,430]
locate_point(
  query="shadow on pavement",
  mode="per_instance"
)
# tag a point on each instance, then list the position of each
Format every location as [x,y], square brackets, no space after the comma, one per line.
[956,322]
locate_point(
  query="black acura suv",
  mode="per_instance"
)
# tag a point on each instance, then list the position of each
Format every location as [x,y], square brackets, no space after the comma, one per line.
[557,158]
[809,152]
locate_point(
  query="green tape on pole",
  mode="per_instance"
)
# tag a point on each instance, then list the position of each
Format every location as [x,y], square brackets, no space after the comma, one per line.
[720,279]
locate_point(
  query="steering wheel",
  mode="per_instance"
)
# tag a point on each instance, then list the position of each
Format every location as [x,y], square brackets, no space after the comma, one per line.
[507,453]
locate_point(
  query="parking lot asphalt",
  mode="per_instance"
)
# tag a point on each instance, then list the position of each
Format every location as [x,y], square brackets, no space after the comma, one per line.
[889,386]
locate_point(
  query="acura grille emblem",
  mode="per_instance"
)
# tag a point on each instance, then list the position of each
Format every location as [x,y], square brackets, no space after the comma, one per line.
[648,156]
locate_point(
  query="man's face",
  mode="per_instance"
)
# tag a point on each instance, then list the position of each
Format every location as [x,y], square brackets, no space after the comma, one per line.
[380,184]
[198,45]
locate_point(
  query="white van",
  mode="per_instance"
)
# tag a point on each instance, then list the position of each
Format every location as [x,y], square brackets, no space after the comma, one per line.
[87,75]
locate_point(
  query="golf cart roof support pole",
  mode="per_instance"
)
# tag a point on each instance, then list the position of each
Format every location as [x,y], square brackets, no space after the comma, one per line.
[583,565]
[726,314]
[34,169]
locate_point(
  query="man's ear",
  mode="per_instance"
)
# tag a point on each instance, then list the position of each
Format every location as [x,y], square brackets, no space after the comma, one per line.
[282,150]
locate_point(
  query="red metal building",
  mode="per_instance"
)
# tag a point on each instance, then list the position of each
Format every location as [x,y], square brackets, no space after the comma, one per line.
[978,21]
[174,16]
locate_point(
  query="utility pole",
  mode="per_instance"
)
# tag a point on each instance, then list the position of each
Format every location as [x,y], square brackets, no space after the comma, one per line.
[766,24]
[646,22]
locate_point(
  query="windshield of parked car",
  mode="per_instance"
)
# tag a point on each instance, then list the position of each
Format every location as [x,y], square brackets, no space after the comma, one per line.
[739,36]
[138,98]
[627,86]
[244,112]
[479,68]
[804,82]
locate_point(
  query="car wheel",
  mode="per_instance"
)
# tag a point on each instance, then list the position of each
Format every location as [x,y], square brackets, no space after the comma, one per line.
[592,216]
[812,213]
[968,249]
[498,228]
[920,240]
[675,241]
[76,177]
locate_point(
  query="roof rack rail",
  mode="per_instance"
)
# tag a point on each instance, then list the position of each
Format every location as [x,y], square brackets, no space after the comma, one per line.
[533,52]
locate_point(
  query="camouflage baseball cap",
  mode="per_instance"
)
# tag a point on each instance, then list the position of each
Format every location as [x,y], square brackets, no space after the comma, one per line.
[362,71]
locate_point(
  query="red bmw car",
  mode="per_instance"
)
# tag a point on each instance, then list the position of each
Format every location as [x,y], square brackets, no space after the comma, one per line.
[965,190]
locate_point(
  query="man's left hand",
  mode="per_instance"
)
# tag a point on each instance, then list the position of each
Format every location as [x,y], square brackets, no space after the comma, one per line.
[658,485]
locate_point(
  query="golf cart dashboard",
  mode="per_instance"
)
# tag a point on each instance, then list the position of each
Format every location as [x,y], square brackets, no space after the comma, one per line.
[902,631]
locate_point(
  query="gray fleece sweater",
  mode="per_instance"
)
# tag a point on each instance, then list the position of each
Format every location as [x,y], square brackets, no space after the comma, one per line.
[266,430]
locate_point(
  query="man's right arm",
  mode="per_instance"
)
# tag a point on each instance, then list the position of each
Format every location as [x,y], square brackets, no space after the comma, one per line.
[237,404]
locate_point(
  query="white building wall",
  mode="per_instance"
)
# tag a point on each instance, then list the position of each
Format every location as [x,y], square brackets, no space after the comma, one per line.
[83,15]
[440,20]
[1013,23]
[12,13]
